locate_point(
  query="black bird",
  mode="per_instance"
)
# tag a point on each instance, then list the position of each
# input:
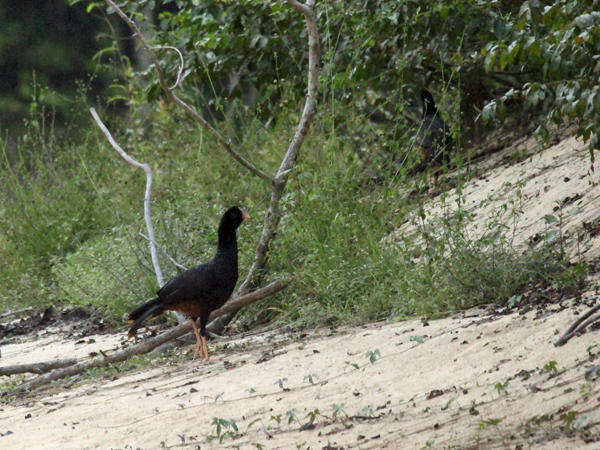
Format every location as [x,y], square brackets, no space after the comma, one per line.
[433,137]
[200,290]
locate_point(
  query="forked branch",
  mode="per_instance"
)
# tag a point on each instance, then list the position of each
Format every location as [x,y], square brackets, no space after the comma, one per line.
[225,143]
[273,216]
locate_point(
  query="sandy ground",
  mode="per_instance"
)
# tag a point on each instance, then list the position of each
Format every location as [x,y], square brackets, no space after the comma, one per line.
[521,186]
[440,391]
[477,380]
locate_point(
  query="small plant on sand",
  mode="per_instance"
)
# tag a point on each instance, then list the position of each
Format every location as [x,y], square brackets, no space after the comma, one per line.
[373,355]
[550,368]
[292,416]
[501,387]
[280,382]
[224,428]
[311,377]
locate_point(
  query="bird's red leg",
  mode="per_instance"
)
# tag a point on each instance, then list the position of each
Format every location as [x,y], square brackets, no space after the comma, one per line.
[205,349]
[199,341]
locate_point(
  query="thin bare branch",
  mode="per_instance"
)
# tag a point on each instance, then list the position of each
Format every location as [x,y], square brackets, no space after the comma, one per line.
[578,325]
[148,345]
[164,251]
[181,63]
[147,194]
[13,313]
[224,142]
[273,216]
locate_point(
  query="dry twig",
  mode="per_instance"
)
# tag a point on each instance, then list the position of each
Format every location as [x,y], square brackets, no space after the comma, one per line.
[148,345]
[13,313]
[579,325]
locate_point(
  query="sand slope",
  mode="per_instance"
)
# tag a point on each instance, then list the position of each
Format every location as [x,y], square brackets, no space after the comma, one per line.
[476,380]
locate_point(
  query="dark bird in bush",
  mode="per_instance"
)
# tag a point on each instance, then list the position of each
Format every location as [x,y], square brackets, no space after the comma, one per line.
[433,137]
[200,290]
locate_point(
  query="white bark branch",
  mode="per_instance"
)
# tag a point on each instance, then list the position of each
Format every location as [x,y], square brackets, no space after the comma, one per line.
[18,311]
[181,63]
[147,194]
[225,143]
[148,345]
[147,200]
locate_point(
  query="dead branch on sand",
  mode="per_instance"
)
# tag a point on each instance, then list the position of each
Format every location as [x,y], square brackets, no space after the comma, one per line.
[14,313]
[39,368]
[579,325]
[146,346]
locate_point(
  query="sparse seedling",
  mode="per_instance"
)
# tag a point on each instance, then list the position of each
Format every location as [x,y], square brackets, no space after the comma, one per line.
[373,355]
[291,416]
[448,403]
[416,338]
[276,418]
[568,418]
[337,411]
[550,367]
[501,387]
[311,377]
[356,366]
[514,301]
[312,415]
[280,382]
[485,423]
[224,428]
[367,411]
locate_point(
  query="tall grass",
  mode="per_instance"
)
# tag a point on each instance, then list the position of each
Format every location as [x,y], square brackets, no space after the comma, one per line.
[71,215]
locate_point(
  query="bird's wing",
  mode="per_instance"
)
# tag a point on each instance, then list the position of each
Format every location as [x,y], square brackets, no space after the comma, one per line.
[185,286]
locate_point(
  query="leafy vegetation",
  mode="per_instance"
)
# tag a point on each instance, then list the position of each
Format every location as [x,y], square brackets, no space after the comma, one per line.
[70,210]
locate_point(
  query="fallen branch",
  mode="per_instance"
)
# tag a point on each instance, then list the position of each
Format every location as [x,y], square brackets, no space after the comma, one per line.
[12,313]
[225,143]
[39,368]
[579,325]
[150,344]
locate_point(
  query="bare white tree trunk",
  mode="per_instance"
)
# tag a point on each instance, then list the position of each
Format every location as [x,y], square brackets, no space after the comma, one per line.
[147,201]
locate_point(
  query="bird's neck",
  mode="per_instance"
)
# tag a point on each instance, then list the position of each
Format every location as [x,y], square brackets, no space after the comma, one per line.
[227,241]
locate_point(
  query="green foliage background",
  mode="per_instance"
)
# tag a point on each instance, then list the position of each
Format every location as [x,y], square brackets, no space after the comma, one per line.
[71,212]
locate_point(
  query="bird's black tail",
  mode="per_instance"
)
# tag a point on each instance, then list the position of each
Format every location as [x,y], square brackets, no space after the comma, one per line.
[138,315]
